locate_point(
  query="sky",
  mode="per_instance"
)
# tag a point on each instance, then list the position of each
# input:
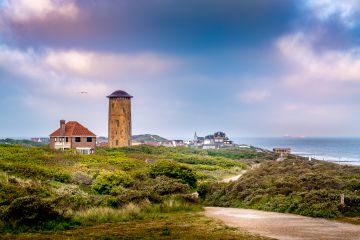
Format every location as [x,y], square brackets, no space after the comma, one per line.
[251,68]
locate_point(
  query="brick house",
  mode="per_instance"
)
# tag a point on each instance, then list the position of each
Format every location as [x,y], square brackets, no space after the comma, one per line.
[73,135]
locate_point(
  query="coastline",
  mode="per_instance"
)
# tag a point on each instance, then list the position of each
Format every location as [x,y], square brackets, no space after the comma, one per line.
[336,150]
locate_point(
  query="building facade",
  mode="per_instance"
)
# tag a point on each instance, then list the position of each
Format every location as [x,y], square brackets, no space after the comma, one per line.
[119,122]
[73,135]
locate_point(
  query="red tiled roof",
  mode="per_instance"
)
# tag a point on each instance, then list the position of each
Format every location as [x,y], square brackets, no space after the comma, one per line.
[73,128]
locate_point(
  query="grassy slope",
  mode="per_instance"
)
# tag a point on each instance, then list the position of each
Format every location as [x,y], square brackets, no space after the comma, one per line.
[112,178]
[81,187]
[296,186]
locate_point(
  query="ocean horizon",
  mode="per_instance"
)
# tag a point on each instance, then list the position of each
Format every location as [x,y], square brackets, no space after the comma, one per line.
[342,150]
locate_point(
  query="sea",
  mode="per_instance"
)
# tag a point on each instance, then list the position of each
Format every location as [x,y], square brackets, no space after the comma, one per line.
[338,150]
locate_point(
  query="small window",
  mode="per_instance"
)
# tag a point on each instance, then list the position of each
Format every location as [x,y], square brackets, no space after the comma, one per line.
[117,123]
[89,139]
[55,139]
[66,139]
[60,139]
[77,139]
[117,142]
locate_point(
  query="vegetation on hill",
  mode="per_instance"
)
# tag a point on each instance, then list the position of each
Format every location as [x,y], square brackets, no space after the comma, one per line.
[310,188]
[44,189]
[23,142]
[148,138]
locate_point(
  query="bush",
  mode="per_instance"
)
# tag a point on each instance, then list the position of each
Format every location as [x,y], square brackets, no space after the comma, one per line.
[203,189]
[173,170]
[29,211]
[165,186]
[81,178]
[107,182]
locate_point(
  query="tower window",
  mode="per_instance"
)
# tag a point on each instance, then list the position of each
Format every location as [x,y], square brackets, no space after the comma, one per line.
[117,142]
[117,123]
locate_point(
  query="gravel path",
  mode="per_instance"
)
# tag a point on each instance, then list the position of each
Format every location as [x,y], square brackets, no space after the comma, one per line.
[284,226]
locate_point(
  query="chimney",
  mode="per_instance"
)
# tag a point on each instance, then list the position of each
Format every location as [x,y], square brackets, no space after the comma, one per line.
[62,127]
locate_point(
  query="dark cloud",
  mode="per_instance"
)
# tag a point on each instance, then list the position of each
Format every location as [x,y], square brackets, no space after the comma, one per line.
[177,26]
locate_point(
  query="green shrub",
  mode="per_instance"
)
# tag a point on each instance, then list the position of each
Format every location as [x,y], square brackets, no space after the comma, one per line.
[106,182]
[166,186]
[29,211]
[173,170]
[203,189]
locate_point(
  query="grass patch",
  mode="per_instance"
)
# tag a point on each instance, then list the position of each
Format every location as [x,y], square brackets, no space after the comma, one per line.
[172,225]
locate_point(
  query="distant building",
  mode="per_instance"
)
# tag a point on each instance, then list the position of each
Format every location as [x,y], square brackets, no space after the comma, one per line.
[119,126]
[73,135]
[136,143]
[155,144]
[178,143]
[40,140]
[214,141]
[282,150]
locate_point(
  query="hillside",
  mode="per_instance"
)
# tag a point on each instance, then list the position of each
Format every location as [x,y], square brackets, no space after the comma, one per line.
[148,138]
[144,186]
[23,142]
[311,188]
[42,189]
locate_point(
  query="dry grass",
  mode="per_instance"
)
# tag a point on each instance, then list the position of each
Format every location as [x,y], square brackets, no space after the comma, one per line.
[106,214]
[189,225]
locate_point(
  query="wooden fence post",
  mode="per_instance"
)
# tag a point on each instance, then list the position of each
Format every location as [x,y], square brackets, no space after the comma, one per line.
[342,199]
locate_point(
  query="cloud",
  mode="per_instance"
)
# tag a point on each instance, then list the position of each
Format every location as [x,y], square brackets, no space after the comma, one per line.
[49,82]
[347,11]
[74,71]
[103,65]
[309,66]
[253,96]
[20,11]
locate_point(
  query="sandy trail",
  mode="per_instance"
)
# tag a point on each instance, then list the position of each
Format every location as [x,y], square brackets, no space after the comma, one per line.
[284,226]
[234,178]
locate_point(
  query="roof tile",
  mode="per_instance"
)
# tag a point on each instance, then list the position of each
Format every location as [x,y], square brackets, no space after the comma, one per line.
[73,128]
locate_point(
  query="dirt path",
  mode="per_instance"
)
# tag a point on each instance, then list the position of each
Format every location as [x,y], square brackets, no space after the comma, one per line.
[284,226]
[234,178]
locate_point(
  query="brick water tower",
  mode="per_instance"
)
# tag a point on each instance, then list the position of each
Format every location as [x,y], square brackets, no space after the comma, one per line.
[119,132]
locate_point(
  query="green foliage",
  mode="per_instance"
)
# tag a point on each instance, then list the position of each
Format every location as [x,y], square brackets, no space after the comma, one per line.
[296,186]
[203,189]
[23,142]
[107,182]
[28,211]
[148,138]
[173,170]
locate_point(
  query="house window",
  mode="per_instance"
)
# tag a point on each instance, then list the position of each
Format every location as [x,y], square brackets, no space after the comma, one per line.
[77,139]
[55,139]
[89,139]
[66,139]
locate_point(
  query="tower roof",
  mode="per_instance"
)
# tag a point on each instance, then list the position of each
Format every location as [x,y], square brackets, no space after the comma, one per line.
[119,94]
